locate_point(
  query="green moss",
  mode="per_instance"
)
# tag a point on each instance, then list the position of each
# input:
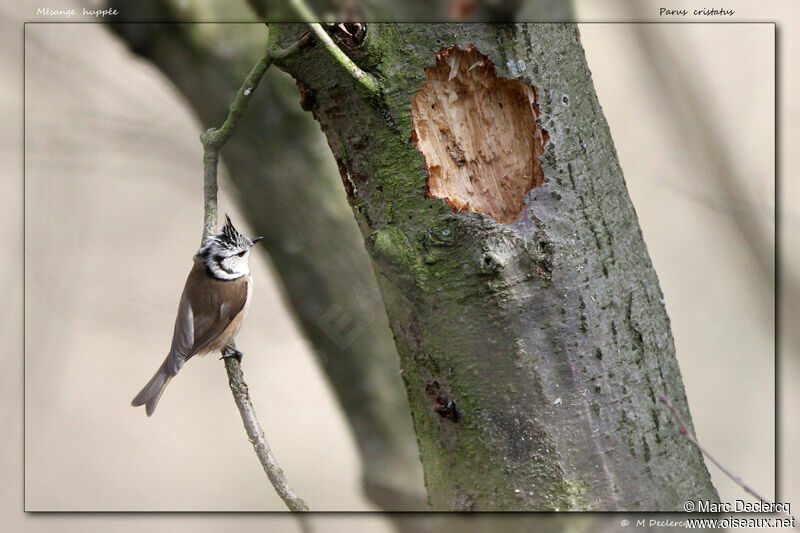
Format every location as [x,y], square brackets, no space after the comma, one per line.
[578,493]
[390,245]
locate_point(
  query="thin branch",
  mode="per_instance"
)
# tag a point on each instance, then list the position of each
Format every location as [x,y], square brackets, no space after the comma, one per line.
[366,80]
[691,438]
[256,436]
[213,140]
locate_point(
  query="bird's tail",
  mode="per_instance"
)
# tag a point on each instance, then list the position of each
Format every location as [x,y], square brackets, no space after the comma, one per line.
[151,392]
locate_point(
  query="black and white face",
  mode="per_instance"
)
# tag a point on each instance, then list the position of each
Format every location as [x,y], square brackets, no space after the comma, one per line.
[226,255]
[226,263]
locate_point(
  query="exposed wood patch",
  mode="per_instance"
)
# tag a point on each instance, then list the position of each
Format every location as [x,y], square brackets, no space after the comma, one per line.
[478,134]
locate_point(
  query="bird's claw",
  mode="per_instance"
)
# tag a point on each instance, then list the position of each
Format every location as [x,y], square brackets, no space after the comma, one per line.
[234,352]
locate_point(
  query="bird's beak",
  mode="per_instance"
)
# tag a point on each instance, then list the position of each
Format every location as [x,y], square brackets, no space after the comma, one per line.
[256,239]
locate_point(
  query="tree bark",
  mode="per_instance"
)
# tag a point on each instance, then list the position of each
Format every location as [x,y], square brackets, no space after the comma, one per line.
[289,190]
[531,328]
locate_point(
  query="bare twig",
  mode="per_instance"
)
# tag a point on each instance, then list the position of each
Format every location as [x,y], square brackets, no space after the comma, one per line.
[691,438]
[256,436]
[366,80]
[213,140]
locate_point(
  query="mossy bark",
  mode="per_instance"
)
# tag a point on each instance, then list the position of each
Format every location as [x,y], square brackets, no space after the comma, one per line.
[533,353]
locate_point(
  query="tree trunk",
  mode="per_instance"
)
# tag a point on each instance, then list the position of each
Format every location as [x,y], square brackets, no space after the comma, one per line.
[289,190]
[531,328]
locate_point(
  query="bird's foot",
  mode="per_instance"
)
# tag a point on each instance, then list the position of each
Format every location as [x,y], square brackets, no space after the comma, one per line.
[234,352]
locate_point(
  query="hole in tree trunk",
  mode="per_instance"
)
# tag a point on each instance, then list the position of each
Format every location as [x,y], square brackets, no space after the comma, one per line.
[478,134]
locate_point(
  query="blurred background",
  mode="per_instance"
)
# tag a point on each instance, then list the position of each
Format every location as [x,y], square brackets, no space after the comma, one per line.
[113,213]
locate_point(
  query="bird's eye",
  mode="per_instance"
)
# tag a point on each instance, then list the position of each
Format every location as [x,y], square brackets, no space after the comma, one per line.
[241,254]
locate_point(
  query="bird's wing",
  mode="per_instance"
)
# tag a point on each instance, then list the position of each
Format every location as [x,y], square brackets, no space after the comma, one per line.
[207,307]
[182,337]
[220,302]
